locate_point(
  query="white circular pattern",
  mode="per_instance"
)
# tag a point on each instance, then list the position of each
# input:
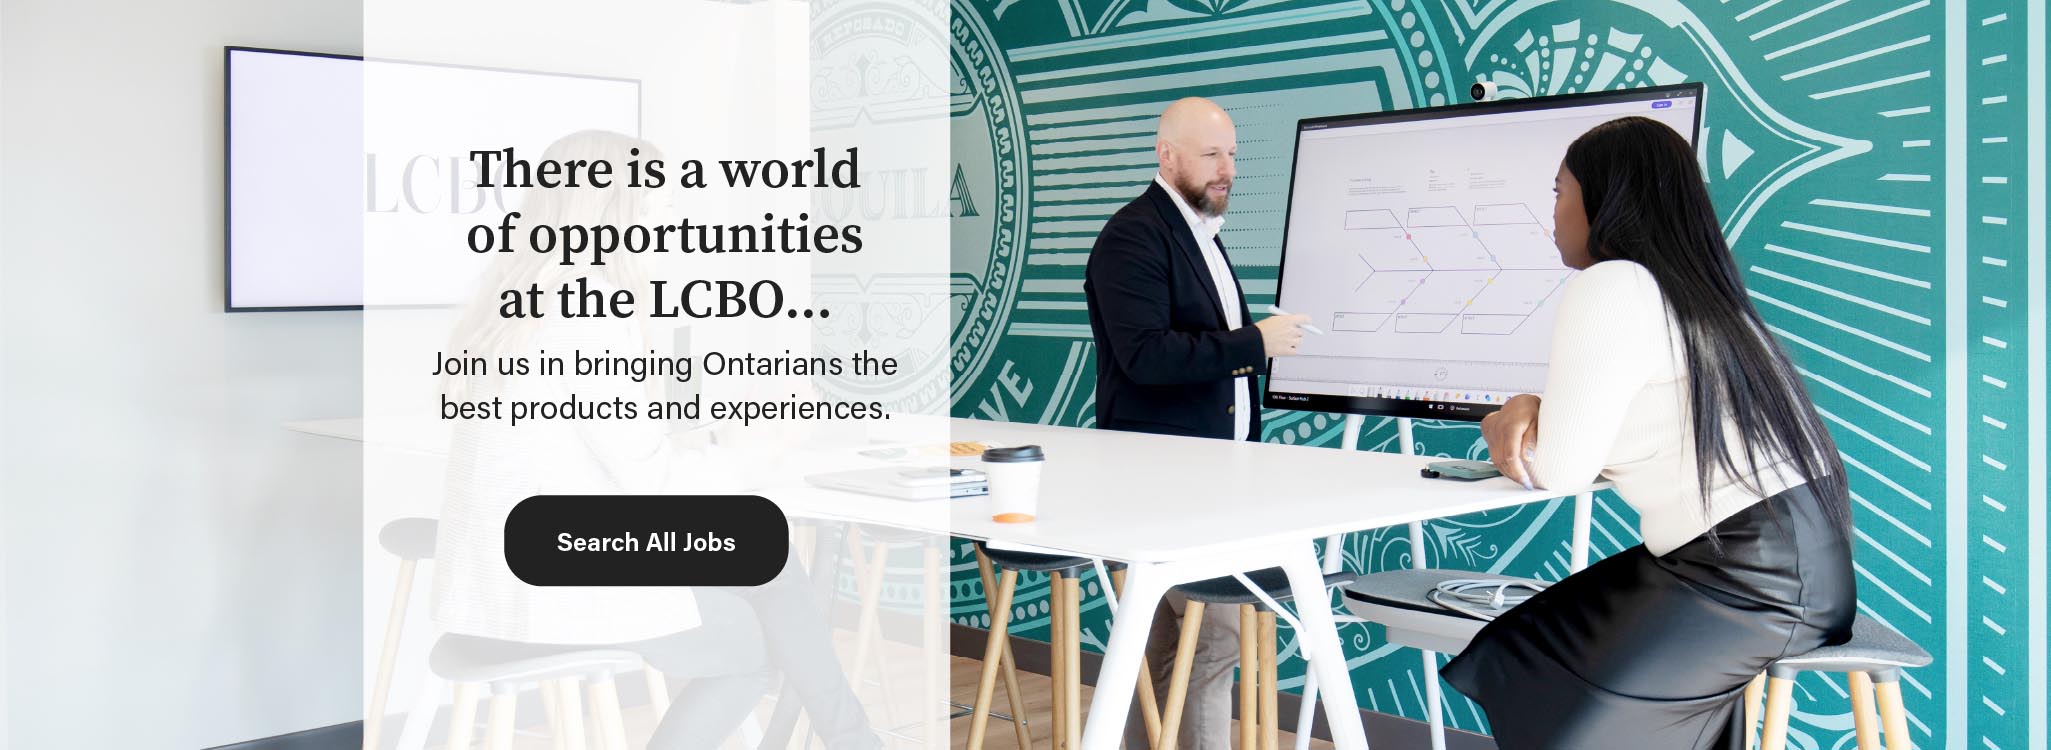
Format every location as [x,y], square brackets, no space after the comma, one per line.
[1431,80]
[1423,58]
[1409,20]
[1416,38]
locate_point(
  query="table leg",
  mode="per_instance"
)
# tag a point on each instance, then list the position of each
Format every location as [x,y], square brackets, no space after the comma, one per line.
[1584,517]
[1320,635]
[1306,712]
[1334,562]
[1119,673]
[1435,706]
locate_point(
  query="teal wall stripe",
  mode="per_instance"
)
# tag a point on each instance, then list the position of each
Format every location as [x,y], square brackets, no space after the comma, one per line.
[2035,93]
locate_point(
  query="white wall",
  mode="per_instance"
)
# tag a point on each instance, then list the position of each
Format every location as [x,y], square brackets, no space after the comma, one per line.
[180,571]
[3,420]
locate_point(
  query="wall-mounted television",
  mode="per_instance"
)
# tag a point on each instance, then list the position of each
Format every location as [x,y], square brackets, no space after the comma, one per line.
[316,183]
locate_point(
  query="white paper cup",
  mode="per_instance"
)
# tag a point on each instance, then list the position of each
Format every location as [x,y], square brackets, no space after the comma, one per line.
[1014,476]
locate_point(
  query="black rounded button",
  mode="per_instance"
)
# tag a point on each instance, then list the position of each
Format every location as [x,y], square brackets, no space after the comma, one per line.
[646,540]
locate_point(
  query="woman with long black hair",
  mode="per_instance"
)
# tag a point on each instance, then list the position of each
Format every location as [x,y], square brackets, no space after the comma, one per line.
[1665,381]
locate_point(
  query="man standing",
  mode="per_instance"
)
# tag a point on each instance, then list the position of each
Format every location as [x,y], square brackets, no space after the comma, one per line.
[1176,355]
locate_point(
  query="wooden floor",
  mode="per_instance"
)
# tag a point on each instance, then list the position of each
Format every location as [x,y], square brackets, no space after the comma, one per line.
[1039,692]
[534,731]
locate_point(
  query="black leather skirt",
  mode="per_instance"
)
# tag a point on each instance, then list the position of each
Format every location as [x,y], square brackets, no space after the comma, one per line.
[1646,652]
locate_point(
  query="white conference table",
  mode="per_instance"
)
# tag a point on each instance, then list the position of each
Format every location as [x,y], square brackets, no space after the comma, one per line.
[1185,509]
[1175,510]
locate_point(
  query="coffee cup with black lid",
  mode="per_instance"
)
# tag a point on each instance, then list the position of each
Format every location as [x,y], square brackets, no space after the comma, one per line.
[1014,475]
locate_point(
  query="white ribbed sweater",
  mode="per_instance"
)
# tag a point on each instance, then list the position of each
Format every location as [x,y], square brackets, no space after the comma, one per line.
[1616,405]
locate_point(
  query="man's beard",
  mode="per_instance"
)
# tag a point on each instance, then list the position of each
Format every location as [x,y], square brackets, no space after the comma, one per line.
[1200,200]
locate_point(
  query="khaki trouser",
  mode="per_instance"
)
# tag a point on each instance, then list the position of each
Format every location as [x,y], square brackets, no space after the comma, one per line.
[1207,711]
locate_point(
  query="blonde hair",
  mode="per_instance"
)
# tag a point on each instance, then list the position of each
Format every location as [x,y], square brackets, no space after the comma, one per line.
[482,330]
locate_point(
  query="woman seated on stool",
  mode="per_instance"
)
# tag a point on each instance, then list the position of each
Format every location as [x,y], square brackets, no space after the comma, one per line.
[1664,380]
[732,643]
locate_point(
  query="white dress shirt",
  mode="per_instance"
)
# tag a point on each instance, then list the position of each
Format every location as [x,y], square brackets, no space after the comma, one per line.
[1205,230]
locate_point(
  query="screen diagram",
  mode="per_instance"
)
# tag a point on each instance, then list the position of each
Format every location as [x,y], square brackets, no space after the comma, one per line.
[1421,243]
[1483,270]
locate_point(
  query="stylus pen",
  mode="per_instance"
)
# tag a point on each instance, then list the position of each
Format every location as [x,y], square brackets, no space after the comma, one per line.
[1277,310]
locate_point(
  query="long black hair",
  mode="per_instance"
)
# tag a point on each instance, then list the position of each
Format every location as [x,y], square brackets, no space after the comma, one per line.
[1647,203]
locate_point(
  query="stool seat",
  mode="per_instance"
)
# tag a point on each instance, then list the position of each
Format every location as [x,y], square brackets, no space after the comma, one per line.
[409,538]
[895,535]
[1410,588]
[1871,661]
[1228,589]
[464,658]
[1034,561]
[1399,600]
[1874,648]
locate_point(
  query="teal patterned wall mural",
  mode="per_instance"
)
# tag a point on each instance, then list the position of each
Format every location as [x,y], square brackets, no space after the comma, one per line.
[1879,165]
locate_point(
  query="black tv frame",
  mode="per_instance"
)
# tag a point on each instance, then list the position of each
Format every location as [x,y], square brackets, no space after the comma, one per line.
[1447,410]
[228,156]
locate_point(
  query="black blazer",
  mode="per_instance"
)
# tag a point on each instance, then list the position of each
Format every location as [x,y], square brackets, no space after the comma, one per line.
[1165,361]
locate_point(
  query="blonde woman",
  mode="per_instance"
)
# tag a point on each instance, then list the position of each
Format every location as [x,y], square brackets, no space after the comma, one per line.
[729,643]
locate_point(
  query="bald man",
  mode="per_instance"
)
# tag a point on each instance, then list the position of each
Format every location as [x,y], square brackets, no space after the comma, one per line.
[1177,348]
[1177,353]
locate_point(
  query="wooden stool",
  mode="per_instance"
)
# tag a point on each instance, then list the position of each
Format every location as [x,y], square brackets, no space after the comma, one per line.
[411,540]
[1259,722]
[1872,662]
[999,570]
[869,548]
[870,566]
[502,668]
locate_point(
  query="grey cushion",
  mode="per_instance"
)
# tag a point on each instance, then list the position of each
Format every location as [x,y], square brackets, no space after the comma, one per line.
[1228,590]
[1873,648]
[894,535]
[728,640]
[1409,588]
[1397,600]
[463,658]
[409,538]
[1016,560]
